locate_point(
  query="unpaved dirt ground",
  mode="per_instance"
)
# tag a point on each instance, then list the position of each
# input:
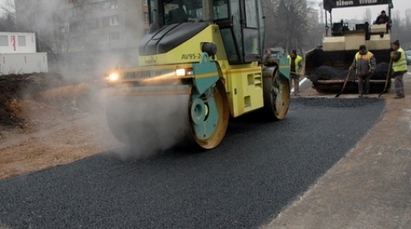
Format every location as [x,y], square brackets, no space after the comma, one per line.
[47,121]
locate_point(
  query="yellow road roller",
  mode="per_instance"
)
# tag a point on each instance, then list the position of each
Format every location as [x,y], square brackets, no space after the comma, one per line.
[200,64]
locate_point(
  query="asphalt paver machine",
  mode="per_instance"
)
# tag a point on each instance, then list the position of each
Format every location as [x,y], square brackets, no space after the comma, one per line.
[327,65]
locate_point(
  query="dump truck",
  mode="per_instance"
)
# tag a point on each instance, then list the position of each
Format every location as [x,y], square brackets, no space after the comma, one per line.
[326,66]
[208,56]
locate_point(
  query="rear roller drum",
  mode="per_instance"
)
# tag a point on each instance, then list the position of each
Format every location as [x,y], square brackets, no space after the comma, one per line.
[209,114]
[276,96]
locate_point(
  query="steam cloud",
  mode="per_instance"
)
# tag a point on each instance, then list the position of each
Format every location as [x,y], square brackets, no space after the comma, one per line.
[151,124]
[154,123]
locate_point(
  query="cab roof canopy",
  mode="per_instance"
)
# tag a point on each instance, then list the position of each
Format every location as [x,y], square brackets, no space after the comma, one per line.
[330,4]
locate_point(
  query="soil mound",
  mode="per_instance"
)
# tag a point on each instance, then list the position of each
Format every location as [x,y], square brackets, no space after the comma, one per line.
[29,100]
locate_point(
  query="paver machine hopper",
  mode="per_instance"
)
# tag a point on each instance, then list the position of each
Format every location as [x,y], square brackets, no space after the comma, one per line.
[207,55]
[327,65]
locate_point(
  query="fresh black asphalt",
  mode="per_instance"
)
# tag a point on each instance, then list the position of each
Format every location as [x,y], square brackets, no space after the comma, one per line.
[258,170]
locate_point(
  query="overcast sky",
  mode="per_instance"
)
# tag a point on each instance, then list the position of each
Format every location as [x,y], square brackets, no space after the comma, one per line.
[346,13]
[359,12]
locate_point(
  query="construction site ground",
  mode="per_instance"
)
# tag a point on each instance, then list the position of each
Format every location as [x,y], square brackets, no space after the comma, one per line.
[46,121]
[370,186]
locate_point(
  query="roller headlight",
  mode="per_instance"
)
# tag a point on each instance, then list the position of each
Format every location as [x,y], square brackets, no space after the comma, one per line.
[184,72]
[180,72]
[113,77]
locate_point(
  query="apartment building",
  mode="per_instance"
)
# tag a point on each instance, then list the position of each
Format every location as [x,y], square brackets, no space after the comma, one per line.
[88,31]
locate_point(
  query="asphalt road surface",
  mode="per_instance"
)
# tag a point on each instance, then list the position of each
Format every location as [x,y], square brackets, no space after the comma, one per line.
[258,170]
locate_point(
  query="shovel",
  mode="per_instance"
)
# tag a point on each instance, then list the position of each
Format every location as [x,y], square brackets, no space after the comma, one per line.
[345,83]
[387,79]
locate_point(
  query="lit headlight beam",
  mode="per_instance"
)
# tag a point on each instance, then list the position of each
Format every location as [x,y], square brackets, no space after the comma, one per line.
[178,74]
[113,77]
[181,72]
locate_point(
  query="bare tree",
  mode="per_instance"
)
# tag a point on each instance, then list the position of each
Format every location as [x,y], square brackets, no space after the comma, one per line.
[407,20]
[69,21]
[54,22]
[270,14]
[286,15]
[7,7]
[395,27]
[36,18]
[315,27]
[401,28]
[7,22]
[292,24]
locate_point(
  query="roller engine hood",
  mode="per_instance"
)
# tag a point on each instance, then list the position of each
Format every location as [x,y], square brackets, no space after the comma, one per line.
[169,37]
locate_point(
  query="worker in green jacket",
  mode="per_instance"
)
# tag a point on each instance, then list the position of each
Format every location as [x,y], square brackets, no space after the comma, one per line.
[399,68]
[295,61]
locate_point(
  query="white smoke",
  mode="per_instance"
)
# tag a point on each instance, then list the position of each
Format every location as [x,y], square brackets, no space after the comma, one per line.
[151,124]
[157,122]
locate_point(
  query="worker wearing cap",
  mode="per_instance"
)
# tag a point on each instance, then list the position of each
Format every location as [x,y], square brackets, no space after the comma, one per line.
[364,62]
[399,68]
[383,19]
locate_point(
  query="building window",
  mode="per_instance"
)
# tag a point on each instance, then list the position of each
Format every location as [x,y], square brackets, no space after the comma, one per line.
[105,21]
[114,36]
[102,38]
[4,41]
[76,11]
[114,20]
[146,17]
[65,27]
[107,5]
[21,40]
[75,27]
[94,7]
[77,41]
[92,24]
[145,2]
[74,2]
[114,4]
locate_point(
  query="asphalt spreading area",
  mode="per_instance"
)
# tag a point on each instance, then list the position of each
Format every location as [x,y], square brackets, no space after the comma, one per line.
[258,170]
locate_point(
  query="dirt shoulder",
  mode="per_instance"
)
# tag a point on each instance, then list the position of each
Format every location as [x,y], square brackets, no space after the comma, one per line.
[370,186]
[46,121]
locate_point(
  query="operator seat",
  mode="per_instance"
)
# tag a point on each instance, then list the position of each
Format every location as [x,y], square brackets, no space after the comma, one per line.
[337,29]
[177,15]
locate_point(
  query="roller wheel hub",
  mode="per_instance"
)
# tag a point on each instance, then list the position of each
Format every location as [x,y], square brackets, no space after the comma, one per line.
[198,111]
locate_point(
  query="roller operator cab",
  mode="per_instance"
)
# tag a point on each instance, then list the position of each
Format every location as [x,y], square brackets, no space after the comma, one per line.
[327,65]
[209,51]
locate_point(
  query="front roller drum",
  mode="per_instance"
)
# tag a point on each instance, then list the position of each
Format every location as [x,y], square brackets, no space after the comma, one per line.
[276,95]
[153,121]
[209,115]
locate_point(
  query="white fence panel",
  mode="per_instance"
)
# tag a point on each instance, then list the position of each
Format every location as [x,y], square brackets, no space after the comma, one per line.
[23,63]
